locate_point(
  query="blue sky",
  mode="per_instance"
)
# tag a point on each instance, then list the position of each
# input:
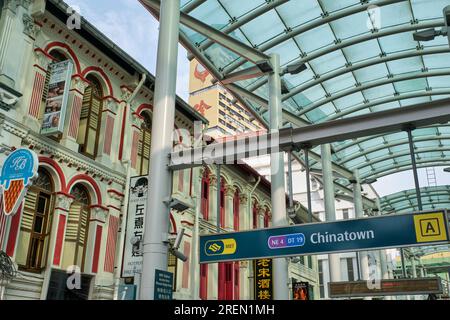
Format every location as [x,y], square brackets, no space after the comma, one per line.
[135,30]
[132,28]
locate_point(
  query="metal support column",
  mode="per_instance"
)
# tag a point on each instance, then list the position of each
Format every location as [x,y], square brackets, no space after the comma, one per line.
[280,266]
[402,256]
[308,184]
[359,213]
[330,212]
[155,244]
[290,184]
[414,168]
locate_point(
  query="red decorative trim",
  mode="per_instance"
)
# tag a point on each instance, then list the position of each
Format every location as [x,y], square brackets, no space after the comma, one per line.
[143,107]
[134,151]
[120,194]
[77,91]
[114,207]
[172,222]
[62,209]
[57,44]
[110,254]
[85,178]
[102,74]
[65,194]
[44,53]
[94,206]
[59,240]
[62,180]
[36,95]
[77,75]
[98,238]
[13,231]
[113,98]
[40,68]
[109,130]
[77,104]
[96,220]
[122,133]
[187,222]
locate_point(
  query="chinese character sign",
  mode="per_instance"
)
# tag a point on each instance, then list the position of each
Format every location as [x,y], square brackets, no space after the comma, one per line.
[57,97]
[18,170]
[132,257]
[300,290]
[263,279]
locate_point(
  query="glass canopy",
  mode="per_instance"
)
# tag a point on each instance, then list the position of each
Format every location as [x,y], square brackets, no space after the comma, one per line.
[360,56]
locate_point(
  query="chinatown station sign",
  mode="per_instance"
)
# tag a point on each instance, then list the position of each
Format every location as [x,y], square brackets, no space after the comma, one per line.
[392,231]
[17,174]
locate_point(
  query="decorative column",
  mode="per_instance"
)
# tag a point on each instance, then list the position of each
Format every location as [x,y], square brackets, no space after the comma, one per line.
[73,113]
[95,256]
[185,248]
[229,210]
[213,199]
[244,214]
[135,136]
[107,151]
[40,69]
[261,214]
[60,217]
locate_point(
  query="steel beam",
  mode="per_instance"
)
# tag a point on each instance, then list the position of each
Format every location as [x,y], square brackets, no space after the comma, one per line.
[365,64]
[245,74]
[374,84]
[236,24]
[192,5]
[399,97]
[376,34]
[241,49]
[311,25]
[392,144]
[431,162]
[331,131]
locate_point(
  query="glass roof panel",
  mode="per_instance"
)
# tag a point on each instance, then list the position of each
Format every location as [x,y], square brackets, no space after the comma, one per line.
[333,73]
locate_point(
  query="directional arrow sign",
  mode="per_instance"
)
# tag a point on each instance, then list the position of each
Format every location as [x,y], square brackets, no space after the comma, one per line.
[393,231]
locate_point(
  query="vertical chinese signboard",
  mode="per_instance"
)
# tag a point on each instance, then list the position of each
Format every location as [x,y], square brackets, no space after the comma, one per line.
[263,279]
[300,290]
[57,97]
[132,257]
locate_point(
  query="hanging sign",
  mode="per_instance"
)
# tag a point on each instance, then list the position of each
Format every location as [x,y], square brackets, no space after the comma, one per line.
[263,279]
[57,97]
[132,257]
[18,170]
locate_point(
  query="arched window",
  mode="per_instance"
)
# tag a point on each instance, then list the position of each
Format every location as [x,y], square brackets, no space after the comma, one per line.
[90,118]
[77,228]
[36,224]
[143,158]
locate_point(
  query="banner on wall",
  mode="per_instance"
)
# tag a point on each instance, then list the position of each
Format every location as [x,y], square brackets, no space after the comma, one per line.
[137,202]
[57,97]
[18,171]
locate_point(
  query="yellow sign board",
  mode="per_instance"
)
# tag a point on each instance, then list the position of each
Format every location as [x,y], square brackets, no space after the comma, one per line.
[430,227]
[221,247]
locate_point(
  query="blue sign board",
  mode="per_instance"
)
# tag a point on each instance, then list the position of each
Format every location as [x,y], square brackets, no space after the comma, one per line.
[127,292]
[163,285]
[393,231]
[19,168]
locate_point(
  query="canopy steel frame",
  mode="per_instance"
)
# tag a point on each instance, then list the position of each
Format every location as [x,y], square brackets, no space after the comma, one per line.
[289,34]
[373,84]
[238,47]
[380,122]
[375,34]
[430,162]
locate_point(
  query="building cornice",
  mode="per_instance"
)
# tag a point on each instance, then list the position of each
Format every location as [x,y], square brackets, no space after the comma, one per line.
[47,146]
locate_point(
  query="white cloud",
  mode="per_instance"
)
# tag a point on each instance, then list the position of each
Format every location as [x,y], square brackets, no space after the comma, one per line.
[135,31]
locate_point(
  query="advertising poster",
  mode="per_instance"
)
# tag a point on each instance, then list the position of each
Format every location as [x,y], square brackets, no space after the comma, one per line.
[57,97]
[301,290]
[132,257]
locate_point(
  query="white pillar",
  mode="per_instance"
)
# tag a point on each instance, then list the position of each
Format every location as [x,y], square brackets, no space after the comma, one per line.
[330,212]
[195,266]
[160,178]
[278,194]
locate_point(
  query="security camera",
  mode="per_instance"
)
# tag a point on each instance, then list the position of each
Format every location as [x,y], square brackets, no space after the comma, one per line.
[426,35]
[447,16]
[296,68]
[177,242]
[179,255]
